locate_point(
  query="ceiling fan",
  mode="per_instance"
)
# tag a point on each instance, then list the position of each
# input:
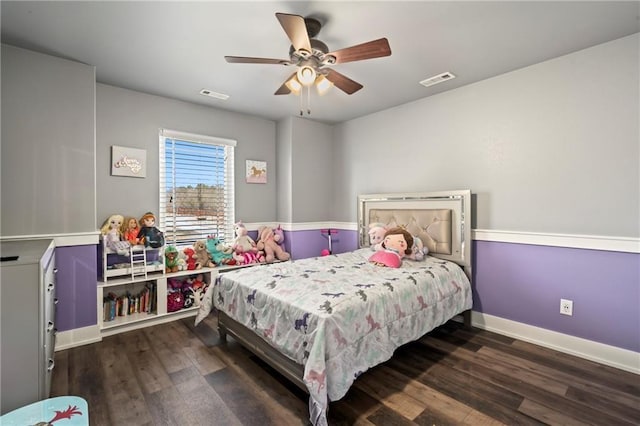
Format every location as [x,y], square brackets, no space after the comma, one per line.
[313,58]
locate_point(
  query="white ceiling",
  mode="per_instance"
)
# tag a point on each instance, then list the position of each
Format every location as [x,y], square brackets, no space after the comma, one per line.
[175,49]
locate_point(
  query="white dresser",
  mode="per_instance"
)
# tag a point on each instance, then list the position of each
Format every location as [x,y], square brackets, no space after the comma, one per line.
[27,322]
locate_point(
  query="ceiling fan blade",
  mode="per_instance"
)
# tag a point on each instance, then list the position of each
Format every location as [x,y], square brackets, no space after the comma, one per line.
[369,50]
[296,30]
[343,82]
[246,60]
[284,90]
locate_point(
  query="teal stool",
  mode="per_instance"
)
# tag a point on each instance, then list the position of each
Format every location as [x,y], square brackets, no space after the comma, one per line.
[59,411]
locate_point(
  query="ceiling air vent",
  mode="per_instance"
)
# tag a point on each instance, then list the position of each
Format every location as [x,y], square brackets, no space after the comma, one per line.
[437,79]
[213,94]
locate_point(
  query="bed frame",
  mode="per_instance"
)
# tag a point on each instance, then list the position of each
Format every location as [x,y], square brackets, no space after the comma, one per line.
[442,220]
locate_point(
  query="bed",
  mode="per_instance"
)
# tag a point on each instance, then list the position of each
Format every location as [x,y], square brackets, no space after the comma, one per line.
[323,321]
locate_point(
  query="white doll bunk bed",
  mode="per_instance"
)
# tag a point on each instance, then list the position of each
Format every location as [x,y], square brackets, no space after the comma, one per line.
[133,262]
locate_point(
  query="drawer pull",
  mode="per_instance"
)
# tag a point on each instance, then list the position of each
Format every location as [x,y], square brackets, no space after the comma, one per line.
[51,365]
[55,301]
[50,287]
[49,326]
[55,270]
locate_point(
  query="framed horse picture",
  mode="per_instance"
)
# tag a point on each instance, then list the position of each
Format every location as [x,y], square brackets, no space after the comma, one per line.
[256,171]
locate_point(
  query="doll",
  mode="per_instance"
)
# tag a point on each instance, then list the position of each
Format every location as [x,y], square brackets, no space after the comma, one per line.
[130,230]
[112,234]
[396,244]
[149,235]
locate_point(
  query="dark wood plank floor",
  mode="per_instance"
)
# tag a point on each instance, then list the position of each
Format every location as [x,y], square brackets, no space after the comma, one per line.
[178,374]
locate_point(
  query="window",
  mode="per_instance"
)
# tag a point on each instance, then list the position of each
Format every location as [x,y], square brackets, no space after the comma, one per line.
[196,187]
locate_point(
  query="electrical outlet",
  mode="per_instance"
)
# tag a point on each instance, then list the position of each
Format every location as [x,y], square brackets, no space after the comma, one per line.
[566,307]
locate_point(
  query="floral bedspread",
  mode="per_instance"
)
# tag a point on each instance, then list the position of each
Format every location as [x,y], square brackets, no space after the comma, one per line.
[339,315]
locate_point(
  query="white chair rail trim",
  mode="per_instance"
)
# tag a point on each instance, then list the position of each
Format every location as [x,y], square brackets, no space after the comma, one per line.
[61,240]
[591,242]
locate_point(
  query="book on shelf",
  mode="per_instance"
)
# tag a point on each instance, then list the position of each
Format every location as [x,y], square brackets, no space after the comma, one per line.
[145,301]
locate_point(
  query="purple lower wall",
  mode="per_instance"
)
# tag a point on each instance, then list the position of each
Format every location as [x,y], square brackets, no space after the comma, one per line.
[519,282]
[76,287]
[525,283]
[304,244]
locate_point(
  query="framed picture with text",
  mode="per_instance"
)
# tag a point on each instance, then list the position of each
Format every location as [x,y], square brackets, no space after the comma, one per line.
[129,162]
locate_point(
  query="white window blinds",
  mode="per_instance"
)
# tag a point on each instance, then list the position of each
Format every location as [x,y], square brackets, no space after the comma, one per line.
[196,187]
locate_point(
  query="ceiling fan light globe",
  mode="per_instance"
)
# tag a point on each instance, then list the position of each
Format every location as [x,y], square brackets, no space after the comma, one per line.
[306,75]
[294,85]
[323,85]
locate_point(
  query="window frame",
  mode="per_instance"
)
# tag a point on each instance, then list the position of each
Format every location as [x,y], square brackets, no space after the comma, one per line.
[223,230]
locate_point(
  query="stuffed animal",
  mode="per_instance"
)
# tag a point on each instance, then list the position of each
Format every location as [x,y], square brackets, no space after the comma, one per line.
[243,242]
[268,244]
[198,293]
[278,236]
[248,257]
[376,235]
[174,284]
[419,250]
[197,282]
[189,298]
[175,301]
[397,244]
[244,247]
[222,254]
[203,258]
[171,259]
[189,258]
[112,232]
[182,263]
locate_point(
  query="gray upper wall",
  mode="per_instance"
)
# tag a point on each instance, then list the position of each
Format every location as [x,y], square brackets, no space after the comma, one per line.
[551,148]
[133,119]
[312,170]
[284,148]
[48,145]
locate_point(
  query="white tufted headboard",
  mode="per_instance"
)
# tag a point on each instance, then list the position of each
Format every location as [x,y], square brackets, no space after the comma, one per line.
[442,220]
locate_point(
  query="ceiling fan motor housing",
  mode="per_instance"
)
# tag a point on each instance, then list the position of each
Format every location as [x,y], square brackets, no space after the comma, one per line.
[313,26]
[316,58]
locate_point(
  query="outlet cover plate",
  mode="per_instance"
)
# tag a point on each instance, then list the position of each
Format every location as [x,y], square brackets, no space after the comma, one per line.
[566,307]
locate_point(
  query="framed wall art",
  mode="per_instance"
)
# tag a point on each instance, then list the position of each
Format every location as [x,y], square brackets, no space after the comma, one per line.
[256,171]
[129,162]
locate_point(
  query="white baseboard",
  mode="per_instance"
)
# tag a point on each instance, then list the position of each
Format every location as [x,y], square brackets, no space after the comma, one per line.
[599,352]
[77,337]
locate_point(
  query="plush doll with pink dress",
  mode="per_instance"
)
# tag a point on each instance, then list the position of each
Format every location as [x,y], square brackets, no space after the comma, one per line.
[396,244]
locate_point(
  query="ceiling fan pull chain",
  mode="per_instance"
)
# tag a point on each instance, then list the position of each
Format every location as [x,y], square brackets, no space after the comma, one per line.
[301,96]
[308,100]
